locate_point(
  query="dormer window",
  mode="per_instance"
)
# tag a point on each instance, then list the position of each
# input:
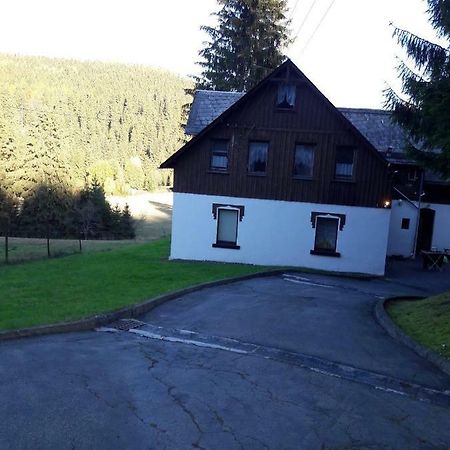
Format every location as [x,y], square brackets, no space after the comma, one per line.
[286,96]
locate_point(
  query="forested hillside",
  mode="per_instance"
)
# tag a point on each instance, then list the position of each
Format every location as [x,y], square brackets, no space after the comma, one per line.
[69,122]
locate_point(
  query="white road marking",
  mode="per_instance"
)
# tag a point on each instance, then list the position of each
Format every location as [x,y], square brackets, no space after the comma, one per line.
[323,372]
[392,391]
[298,280]
[107,329]
[147,334]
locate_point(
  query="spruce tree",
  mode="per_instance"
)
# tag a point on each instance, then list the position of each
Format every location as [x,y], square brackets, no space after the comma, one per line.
[126,224]
[423,107]
[246,44]
[44,212]
[93,212]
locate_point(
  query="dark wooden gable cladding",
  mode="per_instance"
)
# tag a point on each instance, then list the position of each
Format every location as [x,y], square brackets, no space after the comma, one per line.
[313,120]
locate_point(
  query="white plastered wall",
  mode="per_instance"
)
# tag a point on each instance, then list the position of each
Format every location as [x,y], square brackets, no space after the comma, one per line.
[401,242]
[279,233]
[441,229]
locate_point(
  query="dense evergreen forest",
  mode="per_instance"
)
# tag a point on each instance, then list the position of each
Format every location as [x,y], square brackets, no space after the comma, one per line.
[70,123]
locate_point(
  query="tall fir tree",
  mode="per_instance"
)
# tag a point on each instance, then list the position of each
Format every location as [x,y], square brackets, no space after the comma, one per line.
[423,107]
[246,44]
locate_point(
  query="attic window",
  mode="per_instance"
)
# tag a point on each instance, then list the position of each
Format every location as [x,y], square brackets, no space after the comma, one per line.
[344,162]
[286,96]
[219,155]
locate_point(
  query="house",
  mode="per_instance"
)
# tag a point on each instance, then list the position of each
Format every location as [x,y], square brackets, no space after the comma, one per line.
[279,176]
[420,212]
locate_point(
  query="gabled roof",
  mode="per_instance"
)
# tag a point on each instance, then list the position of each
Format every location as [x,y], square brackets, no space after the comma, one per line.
[204,113]
[207,106]
[375,124]
[378,128]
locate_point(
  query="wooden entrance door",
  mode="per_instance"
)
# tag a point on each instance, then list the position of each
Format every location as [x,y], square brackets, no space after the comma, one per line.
[425,233]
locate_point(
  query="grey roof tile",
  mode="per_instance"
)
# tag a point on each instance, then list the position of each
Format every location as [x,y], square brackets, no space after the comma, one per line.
[207,106]
[379,129]
[375,124]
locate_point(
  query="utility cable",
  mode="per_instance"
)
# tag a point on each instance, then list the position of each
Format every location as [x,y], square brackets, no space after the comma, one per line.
[293,9]
[305,19]
[317,27]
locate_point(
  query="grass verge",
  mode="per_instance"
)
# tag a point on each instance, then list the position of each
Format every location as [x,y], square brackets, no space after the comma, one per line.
[427,321]
[76,286]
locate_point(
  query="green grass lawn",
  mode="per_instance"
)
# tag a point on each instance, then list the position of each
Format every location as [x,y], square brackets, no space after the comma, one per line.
[80,285]
[427,321]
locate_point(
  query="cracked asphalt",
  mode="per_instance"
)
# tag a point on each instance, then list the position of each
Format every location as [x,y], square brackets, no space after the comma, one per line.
[122,390]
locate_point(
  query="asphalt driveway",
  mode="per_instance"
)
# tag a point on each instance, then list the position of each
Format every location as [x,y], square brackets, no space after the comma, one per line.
[292,362]
[322,316]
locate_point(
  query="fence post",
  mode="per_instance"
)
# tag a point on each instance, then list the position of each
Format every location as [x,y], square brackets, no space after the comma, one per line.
[6,248]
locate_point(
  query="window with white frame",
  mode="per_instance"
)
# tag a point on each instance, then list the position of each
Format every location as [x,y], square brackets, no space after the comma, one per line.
[344,162]
[326,234]
[257,157]
[327,228]
[228,218]
[219,155]
[286,96]
[303,160]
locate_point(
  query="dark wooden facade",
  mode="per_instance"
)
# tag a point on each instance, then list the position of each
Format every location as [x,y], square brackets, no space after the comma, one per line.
[313,121]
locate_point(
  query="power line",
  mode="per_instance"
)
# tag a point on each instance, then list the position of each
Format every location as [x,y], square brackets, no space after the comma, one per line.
[317,27]
[305,19]
[293,9]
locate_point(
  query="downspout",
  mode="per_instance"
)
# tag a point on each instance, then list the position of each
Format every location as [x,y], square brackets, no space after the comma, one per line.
[416,234]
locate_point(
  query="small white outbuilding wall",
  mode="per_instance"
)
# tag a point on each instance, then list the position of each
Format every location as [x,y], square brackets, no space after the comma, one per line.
[441,229]
[280,233]
[401,240]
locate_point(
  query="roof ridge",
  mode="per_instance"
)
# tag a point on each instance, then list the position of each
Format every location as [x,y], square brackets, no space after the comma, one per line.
[220,92]
[367,110]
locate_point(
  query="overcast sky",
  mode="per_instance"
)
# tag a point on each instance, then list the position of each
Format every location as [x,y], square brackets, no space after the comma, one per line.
[349,57]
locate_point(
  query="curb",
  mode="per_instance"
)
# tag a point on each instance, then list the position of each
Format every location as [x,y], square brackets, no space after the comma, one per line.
[130,311]
[395,332]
